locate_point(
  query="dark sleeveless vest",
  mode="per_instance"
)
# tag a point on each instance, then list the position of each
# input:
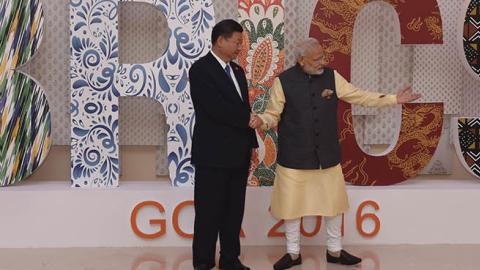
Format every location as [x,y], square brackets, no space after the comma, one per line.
[307,132]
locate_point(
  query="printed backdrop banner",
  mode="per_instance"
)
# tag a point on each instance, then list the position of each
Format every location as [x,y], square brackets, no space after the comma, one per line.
[24,112]
[420,23]
[263,58]
[98,80]
[467,143]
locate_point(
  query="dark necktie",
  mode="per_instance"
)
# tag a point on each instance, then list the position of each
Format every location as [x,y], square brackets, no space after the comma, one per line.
[227,70]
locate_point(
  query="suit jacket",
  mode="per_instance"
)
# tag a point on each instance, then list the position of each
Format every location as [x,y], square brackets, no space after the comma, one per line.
[221,137]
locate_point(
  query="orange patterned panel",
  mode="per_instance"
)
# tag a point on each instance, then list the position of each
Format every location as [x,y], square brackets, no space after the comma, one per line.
[263,58]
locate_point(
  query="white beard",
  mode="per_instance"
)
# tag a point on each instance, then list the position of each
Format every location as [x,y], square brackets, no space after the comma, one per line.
[314,72]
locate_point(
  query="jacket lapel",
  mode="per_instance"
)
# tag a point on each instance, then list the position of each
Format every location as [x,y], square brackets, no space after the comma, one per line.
[227,84]
[239,75]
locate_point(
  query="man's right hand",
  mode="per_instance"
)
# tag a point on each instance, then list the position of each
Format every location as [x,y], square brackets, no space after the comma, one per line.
[255,121]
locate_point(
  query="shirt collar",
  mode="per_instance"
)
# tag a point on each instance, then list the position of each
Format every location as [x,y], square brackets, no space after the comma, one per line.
[222,63]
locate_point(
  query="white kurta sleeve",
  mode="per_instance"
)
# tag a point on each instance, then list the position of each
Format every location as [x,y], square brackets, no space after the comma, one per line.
[351,94]
[275,106]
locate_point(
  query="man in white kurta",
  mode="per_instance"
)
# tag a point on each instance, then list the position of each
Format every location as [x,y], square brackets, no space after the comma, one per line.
[320,191]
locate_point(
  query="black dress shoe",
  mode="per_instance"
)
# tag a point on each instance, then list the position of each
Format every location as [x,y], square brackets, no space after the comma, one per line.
[345,258]
[286,262]
[235,264]
[202,267]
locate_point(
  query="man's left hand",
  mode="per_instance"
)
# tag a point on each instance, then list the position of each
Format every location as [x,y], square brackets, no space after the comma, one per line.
[406,95]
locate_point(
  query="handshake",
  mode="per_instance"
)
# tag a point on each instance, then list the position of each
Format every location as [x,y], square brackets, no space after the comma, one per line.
[255,121]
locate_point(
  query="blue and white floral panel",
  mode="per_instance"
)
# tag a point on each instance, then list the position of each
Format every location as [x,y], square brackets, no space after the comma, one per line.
[98,80]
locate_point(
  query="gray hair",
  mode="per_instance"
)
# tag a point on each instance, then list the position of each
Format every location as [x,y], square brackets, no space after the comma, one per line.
[304,46]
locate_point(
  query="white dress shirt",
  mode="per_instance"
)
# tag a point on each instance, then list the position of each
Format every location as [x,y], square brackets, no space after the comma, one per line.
[232,75]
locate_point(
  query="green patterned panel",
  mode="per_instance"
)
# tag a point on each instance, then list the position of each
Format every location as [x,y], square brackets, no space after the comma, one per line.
[24,112]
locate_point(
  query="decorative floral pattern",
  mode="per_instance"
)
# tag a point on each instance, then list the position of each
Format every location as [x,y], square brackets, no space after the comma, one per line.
[98,80]
[263,60]
[24,112]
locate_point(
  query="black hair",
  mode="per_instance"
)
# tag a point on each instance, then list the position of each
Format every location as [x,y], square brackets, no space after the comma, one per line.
[225,29]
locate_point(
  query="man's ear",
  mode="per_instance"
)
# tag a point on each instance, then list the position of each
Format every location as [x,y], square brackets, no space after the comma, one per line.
[301,61]
[220,41]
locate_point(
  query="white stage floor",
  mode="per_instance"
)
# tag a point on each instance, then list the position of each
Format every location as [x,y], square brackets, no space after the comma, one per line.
[396,257]
[54,215]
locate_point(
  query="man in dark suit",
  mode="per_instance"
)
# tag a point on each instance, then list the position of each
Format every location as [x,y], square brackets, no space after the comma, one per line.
[222,144]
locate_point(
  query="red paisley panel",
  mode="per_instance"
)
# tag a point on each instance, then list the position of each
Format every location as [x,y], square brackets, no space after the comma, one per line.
[420,23]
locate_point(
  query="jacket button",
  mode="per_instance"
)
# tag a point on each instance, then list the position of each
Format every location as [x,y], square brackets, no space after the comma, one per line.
[314,107]
[317,134]
[316,120]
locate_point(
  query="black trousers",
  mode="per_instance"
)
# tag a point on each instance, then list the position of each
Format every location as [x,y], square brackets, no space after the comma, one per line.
[219,206]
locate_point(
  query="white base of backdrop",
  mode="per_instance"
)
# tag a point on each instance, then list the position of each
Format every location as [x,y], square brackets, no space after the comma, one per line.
[51,214]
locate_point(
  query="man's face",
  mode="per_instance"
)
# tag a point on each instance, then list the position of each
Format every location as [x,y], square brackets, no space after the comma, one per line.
[313,61]
[231,47]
